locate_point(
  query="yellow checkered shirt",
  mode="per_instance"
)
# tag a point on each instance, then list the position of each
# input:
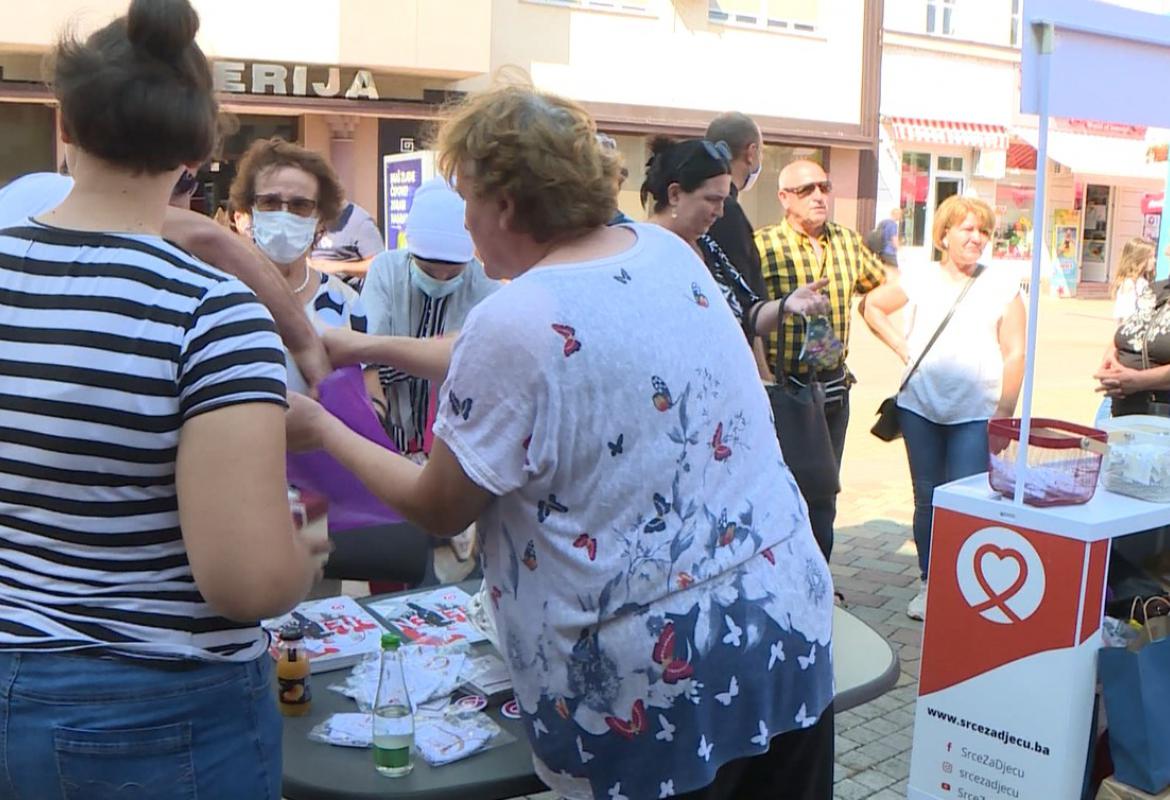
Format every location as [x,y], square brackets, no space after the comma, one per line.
[788,261]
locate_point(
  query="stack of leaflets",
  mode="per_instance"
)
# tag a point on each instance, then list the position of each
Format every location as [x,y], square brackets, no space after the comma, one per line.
[437,617]
[338,632]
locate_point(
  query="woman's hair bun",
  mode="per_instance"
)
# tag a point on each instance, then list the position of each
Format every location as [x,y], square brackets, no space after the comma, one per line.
[162,28]
[659,145]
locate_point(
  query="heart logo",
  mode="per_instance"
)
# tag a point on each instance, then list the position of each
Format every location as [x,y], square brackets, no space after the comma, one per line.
[1000,575]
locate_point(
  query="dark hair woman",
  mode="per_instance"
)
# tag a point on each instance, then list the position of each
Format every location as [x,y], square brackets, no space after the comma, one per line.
[688,181]
[143,509]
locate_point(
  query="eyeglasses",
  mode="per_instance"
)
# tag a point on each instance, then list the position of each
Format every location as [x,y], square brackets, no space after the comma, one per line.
[804,190]
[301,206]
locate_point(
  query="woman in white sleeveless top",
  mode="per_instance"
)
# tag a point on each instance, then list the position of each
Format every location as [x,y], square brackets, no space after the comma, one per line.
[971,374]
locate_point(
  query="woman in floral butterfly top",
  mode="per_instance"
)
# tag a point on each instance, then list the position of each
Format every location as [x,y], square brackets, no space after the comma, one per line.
[664,610]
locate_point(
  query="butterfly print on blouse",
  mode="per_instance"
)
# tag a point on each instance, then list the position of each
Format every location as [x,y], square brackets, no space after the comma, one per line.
[622,277]
[572,345]
[529,559]
[588,544]
[661,509]
[629,728]
[700,298]
[461,408]
[722,451]
[615,448]
[661,397]
[545,508]
[673,669]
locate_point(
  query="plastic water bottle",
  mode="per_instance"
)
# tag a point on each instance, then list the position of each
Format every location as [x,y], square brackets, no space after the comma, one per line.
[393,721]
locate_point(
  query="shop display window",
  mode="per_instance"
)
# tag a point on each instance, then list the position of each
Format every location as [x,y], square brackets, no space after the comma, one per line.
[915,190]
[1014,212]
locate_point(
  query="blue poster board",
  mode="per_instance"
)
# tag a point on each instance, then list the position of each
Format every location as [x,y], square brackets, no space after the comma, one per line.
[403,174]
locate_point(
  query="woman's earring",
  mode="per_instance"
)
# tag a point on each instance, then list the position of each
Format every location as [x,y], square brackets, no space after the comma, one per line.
[674,213]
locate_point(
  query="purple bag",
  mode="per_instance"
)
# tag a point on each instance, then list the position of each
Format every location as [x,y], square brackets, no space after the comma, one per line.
[351,504]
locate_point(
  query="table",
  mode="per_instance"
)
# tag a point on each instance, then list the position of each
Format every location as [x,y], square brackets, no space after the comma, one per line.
[1009,651]
[865,667]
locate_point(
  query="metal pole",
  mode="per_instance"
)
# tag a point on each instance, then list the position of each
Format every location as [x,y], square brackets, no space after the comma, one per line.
[1043,33]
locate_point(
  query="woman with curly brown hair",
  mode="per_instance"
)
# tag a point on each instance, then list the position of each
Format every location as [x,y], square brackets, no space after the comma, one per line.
[292,195]
[661,603]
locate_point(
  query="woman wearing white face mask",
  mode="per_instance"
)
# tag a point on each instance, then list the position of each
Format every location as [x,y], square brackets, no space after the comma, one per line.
[291,194]
[421,291]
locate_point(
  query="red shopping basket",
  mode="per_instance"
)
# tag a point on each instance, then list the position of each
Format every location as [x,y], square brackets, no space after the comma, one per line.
[1064,460]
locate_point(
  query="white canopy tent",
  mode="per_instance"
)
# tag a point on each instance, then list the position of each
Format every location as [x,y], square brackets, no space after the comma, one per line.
[1088,59]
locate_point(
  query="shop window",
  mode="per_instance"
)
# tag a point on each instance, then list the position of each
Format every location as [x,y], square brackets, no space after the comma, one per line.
[1014,213]
[27,141]
[801,16]
[915,190]
[627,6]
[950,163]
[940,17]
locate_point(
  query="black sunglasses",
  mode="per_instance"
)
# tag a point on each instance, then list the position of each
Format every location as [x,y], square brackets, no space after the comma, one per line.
[804,190]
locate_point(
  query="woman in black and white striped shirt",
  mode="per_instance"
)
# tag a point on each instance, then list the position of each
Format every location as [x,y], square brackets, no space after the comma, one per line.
[144,527]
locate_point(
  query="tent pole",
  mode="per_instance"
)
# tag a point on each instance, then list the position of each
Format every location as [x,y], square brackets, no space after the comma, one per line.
[1042,33]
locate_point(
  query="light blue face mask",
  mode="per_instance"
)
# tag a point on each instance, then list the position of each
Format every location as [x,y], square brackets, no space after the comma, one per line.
[432,287]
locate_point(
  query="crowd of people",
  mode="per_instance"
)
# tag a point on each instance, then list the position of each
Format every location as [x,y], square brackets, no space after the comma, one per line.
[559,381]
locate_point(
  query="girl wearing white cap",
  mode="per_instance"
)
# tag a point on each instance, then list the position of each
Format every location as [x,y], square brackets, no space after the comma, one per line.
[422,291]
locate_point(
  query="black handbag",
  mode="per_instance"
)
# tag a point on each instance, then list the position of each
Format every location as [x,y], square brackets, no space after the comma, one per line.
[887,427]
[799,415]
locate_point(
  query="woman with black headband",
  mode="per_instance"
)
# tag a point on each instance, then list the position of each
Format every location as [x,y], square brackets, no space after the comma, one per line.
[688,181]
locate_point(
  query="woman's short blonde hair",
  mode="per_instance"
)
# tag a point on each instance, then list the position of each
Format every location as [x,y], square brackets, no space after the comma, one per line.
[954,210]
[538,149]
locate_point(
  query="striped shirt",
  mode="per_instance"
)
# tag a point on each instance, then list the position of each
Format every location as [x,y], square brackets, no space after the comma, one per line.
[108,344]
[788,262]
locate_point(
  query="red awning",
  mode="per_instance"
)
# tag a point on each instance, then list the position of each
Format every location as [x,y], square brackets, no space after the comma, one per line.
[1021,156]
[961,134]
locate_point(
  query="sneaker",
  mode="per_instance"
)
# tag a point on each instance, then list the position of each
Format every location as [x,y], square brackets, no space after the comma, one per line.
[917,608]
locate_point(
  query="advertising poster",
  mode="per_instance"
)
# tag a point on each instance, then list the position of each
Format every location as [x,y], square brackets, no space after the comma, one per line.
[1006,687]
[403,174]
[1065,236]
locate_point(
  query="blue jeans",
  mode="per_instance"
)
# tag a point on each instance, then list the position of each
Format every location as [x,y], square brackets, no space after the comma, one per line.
[76,726]
[938,454]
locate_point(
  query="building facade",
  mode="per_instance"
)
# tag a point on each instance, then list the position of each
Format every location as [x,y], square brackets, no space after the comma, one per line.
[361,79]
[950,124]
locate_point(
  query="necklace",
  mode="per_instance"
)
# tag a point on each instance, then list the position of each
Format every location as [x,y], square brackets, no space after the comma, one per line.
[305,282]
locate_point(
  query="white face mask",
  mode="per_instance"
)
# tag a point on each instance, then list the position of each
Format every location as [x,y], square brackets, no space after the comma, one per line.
[433,287]
[751,179]
[284,237]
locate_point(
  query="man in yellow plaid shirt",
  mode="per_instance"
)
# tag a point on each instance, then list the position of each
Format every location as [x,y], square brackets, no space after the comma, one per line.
[803,248]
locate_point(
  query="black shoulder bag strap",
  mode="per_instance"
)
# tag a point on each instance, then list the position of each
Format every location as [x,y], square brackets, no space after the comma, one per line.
[942,325]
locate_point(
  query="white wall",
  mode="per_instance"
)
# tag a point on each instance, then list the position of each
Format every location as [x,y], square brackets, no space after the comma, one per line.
[675,58]
[934,85]
[986,21]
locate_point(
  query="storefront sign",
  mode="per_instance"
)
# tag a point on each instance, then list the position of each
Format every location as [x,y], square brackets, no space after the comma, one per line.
[238,77]
[403,174]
